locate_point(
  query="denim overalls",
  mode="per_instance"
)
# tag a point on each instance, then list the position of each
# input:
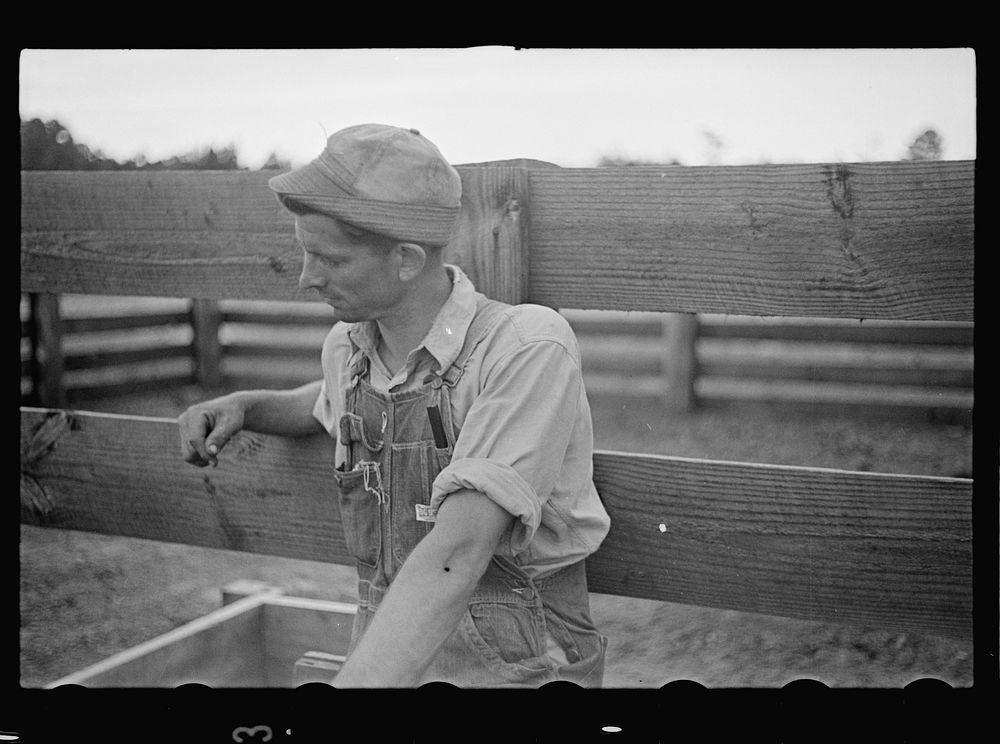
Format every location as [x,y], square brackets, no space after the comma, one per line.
[396,447]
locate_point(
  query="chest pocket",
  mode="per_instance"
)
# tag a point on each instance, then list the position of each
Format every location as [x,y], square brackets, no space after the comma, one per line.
[419,451]
[360,510]
[361,489]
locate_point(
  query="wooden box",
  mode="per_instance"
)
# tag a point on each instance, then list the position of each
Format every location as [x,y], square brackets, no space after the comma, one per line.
[258,638]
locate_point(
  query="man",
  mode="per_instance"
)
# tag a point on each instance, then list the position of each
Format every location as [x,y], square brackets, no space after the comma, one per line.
[464,438]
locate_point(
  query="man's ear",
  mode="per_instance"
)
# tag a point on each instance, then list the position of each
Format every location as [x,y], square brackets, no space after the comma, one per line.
[412,259]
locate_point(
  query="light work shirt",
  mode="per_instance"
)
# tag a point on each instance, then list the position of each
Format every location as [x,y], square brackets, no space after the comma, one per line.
[525,436]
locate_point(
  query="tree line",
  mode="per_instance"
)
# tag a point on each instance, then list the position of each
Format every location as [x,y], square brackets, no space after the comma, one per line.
[927,146]
[48,145]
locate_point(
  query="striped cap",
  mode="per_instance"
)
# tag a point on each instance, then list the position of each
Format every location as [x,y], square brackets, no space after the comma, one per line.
[385,179]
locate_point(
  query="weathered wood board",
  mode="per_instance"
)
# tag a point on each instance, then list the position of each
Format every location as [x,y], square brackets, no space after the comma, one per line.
[886,550]
[888,240]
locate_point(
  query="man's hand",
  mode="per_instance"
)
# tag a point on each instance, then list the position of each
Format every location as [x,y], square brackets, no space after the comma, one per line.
[205,428]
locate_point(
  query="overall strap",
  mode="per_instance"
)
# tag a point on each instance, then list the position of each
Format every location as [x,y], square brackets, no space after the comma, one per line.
[488,313]
[357,366]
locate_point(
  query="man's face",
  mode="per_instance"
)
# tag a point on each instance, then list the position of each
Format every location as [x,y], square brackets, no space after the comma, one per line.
[359,281]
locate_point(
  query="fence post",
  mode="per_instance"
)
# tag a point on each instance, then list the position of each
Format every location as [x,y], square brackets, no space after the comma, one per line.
[46,345]
[205,320]
[680,332]
[490,240]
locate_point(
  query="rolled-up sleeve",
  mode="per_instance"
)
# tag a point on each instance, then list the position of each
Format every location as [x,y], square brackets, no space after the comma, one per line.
[514,439]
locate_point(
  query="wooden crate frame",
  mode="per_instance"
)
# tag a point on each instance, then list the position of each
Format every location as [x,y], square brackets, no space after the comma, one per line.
[256,639]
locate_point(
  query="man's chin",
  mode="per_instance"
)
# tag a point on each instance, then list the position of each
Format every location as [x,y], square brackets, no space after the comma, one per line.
[343,315]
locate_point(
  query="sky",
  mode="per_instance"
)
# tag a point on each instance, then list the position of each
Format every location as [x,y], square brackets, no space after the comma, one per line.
[566,106]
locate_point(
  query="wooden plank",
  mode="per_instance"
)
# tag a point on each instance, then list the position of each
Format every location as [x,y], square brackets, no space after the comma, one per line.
[317,666]
[122,357]
[880,356]
[623,355]
[629,384]
[268,380]
[824,371]
[886,550]
[123,475]
[99,324]
[587,323]
[241,588]
[220,649]
[292,354]
[247,372]
[312,310]
[886,364]
[858,240]
[223,234]
[78,393]
[600,327]
[889,551]
[871,410]
[883,364]
[832,330]
[833,393]
[801,399]
[293,626]
[277,319]
[224,203]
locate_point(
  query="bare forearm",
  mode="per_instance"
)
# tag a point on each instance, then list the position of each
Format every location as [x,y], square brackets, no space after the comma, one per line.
[429,595]
[421,609]
[282,412]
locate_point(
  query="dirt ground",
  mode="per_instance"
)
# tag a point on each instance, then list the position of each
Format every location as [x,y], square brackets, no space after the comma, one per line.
[85,597]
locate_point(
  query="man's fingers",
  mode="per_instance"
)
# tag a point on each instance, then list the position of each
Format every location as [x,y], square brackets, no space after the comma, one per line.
[212,445]
[218,437]
[201,457]
[191,455]
[193,431]
[197,440]
[206,429]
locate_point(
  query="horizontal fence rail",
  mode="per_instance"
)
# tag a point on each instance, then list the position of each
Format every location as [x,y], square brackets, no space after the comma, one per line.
[888,550]
[889,367]
[860,240]
[882,367]
[82,350]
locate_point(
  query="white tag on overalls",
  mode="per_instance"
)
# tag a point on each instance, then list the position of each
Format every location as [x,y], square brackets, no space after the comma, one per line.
[425,513]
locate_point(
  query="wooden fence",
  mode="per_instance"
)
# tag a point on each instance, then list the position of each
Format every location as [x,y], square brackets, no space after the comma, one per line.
[891,241]
[107,346]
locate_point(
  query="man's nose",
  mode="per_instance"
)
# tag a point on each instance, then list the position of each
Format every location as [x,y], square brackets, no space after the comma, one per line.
[310,278]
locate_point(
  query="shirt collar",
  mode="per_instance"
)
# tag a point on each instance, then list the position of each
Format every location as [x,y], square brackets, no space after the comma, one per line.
[446,337]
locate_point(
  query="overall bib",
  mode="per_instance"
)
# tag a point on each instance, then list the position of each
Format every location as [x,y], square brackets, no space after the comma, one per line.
[396,447]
